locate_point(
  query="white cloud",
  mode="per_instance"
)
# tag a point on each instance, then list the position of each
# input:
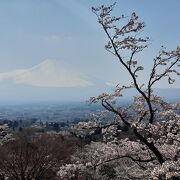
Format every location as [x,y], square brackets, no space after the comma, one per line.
[111,84]
[49,73]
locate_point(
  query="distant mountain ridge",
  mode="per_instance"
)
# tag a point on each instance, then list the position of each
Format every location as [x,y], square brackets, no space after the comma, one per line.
[171,94]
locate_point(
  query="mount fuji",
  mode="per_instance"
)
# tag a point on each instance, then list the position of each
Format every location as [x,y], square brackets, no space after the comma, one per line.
[49,73]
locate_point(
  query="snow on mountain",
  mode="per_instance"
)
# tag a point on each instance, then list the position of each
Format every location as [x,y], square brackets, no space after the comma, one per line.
[49,73]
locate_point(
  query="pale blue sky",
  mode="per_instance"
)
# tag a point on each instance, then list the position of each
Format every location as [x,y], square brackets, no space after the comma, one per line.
[66,33]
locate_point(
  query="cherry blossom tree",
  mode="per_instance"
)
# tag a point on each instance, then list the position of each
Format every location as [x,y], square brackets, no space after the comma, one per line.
[153,152]
[5,134]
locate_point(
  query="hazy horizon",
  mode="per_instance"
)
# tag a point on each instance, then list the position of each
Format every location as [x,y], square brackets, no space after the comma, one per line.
[165,93]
